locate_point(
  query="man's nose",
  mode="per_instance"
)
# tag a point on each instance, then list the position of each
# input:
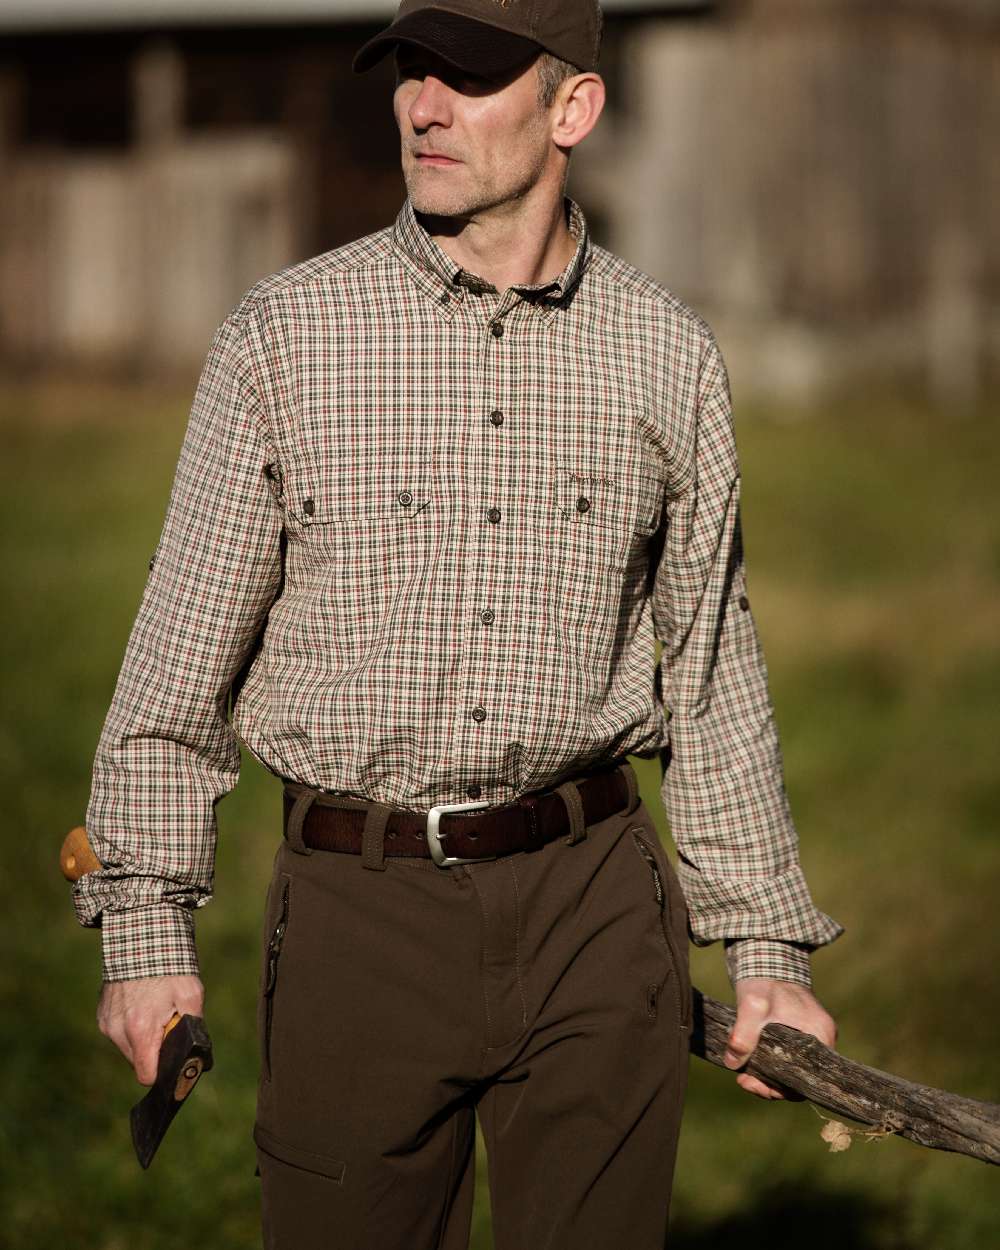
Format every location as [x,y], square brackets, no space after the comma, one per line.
[430,104]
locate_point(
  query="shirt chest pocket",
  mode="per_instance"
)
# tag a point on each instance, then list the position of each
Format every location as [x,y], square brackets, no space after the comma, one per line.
[596,553]
[611,517]
[368,537]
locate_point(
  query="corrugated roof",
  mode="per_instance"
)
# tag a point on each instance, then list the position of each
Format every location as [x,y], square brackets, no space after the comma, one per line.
[66,14]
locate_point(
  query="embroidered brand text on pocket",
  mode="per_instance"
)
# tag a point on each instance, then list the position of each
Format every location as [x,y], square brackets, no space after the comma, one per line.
[619,501]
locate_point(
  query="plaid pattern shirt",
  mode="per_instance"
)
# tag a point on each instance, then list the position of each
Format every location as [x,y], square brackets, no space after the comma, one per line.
[421,538]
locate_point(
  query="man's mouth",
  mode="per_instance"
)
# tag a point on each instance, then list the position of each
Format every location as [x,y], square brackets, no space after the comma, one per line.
[436,158]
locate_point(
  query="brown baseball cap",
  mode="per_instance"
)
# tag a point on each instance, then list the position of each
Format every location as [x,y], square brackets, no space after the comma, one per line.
[491,37]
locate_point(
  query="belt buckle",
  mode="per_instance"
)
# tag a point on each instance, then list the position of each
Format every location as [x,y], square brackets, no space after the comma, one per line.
[434,834]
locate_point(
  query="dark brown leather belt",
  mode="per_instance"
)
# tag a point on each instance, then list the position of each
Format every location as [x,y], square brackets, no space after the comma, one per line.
[333,823]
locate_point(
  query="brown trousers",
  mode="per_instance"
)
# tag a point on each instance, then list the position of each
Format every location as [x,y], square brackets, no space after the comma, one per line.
[547,991]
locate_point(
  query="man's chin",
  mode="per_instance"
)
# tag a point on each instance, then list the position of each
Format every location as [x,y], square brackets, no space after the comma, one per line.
[434,201]
[435,205]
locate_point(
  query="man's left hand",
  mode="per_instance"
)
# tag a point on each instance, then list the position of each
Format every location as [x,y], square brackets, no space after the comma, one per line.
[761,1001]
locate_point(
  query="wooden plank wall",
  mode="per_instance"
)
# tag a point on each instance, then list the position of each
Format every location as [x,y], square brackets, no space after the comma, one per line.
[822,173]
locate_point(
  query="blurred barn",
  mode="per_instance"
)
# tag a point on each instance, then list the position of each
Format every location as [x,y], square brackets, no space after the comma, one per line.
[818,178]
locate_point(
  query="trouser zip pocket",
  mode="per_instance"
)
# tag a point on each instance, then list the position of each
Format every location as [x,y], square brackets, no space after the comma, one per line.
[271,975]
[660,894]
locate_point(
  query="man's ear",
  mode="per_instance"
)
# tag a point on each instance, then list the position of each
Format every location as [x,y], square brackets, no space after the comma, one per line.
[579,104]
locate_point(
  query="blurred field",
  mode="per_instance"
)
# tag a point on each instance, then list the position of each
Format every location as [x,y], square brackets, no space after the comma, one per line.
[873,541]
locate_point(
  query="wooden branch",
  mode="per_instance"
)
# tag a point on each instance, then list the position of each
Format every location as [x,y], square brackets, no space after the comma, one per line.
[799,1061]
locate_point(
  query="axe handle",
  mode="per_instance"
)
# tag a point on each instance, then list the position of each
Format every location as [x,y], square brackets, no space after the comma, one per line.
[77,857]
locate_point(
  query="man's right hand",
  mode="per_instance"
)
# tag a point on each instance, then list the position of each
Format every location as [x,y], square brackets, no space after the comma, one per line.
[133,1014]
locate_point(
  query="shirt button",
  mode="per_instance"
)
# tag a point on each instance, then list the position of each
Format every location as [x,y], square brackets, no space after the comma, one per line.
[583,504]
[493,516]
[479,714]
[445,297]
[405,498]
[744,602]
[487,616]
[496,328]
[474,792]
[308,506]
[496,417]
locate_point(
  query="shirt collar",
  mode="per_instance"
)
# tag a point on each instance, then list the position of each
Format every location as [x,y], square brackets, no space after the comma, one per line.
[410,237]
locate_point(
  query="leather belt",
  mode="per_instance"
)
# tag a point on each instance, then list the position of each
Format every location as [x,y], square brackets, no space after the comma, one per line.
[471,831]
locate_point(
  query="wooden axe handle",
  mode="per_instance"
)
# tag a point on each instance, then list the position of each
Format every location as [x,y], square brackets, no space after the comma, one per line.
[77,856]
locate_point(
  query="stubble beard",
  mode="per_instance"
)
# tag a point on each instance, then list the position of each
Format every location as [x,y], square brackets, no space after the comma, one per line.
[432,193]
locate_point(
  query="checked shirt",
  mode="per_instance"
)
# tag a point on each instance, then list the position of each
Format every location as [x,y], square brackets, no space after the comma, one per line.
[421,540]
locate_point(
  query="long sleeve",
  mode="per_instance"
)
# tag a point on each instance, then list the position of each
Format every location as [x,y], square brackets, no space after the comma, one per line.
[167,752]
[723,788]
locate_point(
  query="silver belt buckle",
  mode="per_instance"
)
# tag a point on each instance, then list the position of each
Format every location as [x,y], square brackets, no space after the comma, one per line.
[434,834]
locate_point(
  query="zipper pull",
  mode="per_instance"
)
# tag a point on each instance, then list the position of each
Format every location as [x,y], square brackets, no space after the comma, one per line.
[654,868]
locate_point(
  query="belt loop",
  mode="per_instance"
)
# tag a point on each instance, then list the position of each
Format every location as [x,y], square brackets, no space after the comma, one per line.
[373,838]
[570,795]
[632,781]
[304,799]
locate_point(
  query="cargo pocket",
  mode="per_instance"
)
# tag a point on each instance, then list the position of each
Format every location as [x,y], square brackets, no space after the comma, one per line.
[671,915]
[296,1157]
[277,928]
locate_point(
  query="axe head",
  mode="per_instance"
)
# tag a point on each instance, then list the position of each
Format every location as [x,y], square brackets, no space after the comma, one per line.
[185,1052]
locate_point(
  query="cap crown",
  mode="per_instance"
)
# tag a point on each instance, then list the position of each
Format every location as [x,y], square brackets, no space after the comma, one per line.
[570,29]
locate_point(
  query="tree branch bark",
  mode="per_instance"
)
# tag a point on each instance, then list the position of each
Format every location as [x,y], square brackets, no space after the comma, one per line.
[920,1113]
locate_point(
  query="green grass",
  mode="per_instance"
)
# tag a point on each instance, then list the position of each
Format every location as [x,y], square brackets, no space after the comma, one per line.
[873,543]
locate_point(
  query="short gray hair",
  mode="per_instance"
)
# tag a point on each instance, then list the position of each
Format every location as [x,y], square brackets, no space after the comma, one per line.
[552,73]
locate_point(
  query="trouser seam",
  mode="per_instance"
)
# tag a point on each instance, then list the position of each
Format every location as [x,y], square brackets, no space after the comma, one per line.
[448,1194]
[517,947]
[482,958]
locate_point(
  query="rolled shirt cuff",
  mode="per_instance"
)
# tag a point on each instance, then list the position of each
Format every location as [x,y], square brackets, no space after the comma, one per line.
[156,940]
[768,957]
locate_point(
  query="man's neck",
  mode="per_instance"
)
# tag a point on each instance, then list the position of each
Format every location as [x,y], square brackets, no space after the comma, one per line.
[527,246]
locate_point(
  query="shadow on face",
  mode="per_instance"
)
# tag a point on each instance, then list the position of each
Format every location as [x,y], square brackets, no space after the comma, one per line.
[413,61]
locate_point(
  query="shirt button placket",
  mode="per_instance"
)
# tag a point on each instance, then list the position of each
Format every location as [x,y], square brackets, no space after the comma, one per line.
[492,513]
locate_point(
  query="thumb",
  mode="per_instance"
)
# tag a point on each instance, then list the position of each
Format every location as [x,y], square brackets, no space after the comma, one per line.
[743,1038]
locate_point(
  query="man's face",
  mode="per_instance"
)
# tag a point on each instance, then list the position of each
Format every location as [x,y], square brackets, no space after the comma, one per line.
[494,130]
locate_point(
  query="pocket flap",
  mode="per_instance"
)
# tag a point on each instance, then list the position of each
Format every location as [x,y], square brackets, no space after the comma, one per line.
[358,491]
[611,500]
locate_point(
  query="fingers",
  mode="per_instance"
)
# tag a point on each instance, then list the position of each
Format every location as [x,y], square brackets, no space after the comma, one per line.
[144,1037]
[761,1001]
[134,1014]
[751,1014]
[137,1035]
[755,1086]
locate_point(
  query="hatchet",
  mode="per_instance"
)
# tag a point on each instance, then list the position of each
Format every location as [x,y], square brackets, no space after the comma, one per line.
[185,1051]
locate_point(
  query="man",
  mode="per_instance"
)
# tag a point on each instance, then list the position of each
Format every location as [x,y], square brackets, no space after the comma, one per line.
[440,490]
